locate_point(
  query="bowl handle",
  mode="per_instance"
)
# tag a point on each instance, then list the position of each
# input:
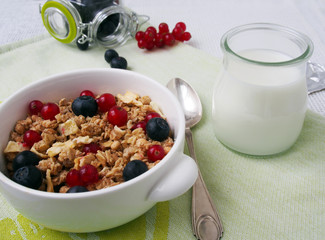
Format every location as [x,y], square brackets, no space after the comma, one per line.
[177,181]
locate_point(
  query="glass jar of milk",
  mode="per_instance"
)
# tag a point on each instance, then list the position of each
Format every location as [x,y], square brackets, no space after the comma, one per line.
[260,97]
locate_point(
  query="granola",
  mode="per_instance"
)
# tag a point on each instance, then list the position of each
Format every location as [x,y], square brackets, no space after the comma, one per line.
[63,139]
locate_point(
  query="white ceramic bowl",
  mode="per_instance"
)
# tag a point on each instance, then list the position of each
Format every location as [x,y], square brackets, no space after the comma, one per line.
[110,207]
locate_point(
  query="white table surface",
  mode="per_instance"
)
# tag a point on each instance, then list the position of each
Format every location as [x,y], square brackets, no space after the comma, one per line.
[206,20]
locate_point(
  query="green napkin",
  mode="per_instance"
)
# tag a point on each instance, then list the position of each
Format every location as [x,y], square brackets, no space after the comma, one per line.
[281,197]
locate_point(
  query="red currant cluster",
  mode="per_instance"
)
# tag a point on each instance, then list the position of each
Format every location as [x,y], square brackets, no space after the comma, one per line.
[151,38]
[47,111]
[85,176]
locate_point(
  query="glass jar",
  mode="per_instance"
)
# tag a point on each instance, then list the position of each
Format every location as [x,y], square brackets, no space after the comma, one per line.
[260,97]
[100,22]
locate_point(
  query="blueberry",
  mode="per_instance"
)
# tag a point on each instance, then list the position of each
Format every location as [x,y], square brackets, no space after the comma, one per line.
[25,158]
[76,189]
[110,54]
[134,169]
[119,62]
[157,129]
[28,176]
[84,105]
[82,46]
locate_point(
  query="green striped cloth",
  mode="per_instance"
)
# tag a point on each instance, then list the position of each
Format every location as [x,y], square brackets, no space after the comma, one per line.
[281,197]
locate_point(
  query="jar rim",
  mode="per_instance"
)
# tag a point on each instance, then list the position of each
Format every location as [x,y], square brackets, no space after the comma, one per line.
[305,55]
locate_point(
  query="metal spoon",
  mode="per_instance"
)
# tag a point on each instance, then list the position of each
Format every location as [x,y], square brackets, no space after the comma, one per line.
[206,223]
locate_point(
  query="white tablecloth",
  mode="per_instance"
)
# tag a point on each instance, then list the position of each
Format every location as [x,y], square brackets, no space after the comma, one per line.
[206,20]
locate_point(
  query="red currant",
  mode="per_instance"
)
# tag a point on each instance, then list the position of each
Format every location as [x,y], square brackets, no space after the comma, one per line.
[142,44]
[88,174]
[150,45]
[186,36]
[177,33]
[151,115]
[35,107]
[49,111]
[141,124]
[87,93]
[159,40]
[139,35]
[163,28]
[91,148]
[30,137]
[153,29]
[73,178]
[149,36]
[105,102]
[181,25]
[169,39]
[117,116]
[156,152]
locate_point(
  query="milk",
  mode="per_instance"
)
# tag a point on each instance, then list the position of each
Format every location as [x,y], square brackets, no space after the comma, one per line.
[258,109]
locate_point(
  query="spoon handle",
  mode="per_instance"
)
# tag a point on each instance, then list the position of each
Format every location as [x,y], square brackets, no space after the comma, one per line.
[206,223]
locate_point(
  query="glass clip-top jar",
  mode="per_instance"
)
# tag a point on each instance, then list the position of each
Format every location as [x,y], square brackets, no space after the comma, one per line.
[260,97]
[98,22]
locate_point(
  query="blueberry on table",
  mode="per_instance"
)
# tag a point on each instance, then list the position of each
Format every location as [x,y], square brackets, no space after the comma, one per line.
[133,169]
[119,62]
[157,129]
[82,46]
[110,54]
[25,158]
[84,105]
[76,189]
[28,176]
